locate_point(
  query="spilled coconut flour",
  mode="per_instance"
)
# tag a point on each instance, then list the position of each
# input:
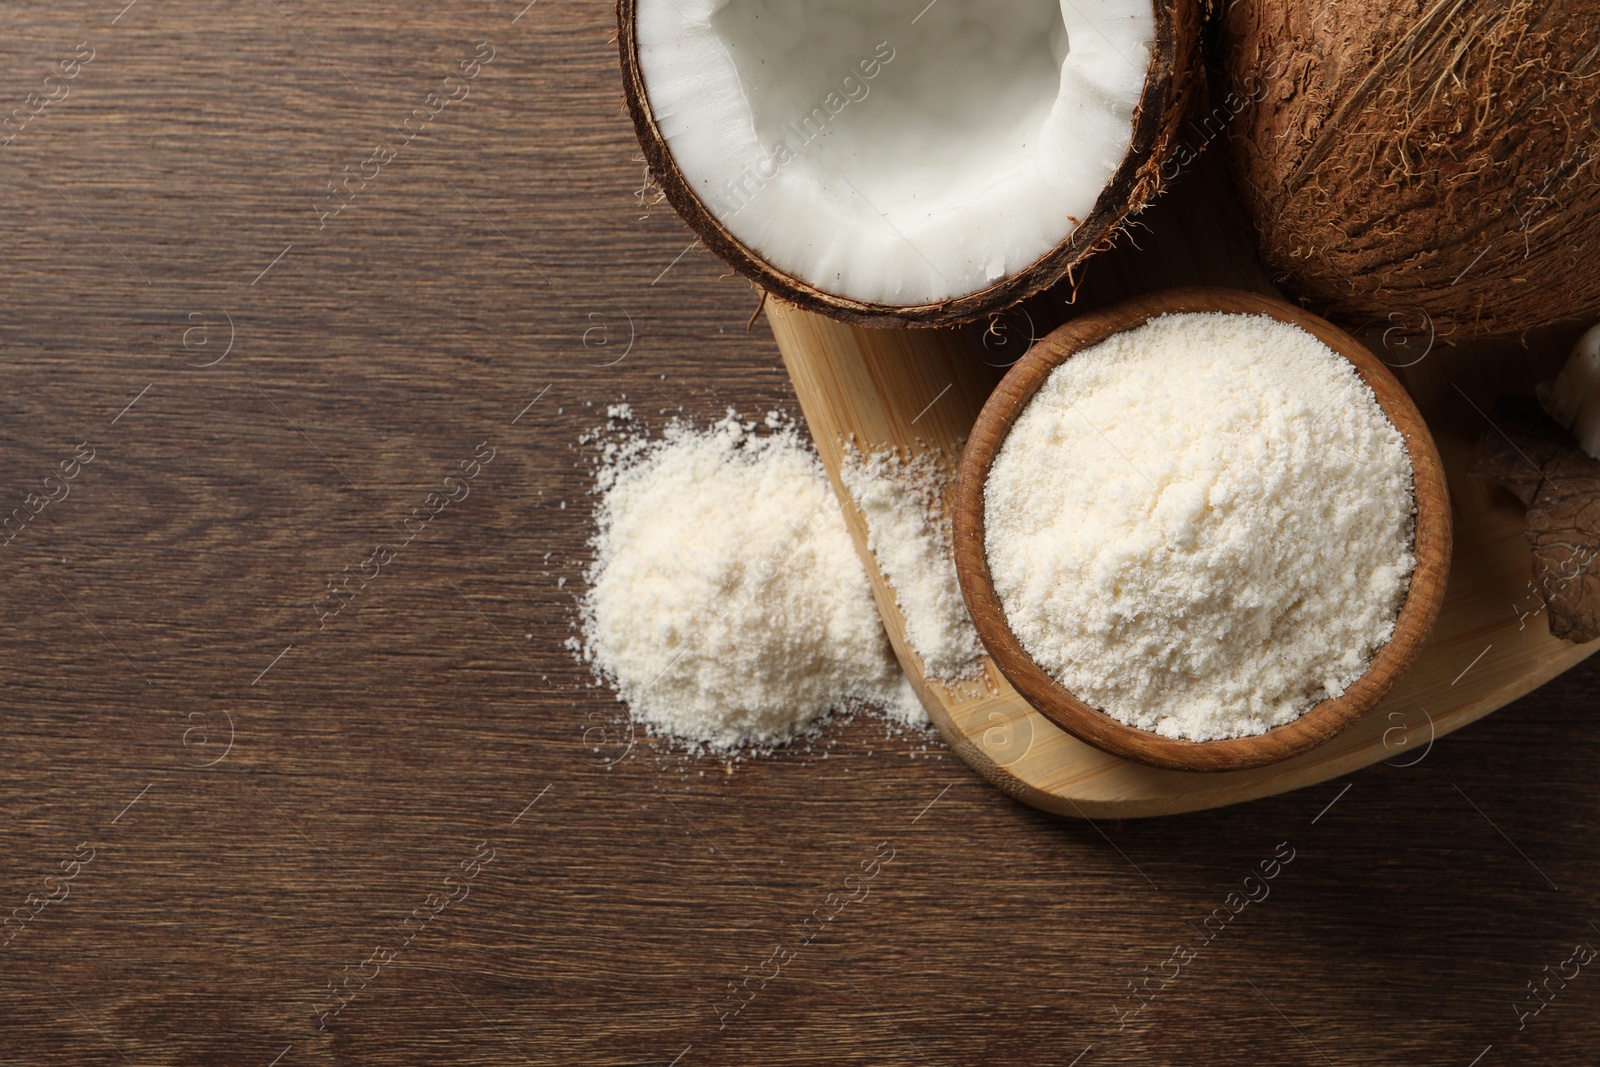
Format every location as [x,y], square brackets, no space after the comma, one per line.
[1202,526]
[726,604]
[901,501]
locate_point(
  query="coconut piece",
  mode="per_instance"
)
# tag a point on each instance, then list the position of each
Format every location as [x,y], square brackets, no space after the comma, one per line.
[1422,165]
[1573,399]
[1560,486]
[907,165]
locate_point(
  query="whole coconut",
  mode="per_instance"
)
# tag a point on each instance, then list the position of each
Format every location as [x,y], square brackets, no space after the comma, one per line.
[1421,163]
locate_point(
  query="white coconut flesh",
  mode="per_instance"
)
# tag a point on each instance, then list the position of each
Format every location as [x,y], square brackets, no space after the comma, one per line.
[898,153]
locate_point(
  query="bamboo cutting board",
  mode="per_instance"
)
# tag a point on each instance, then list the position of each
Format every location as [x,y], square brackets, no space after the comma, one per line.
[919,392]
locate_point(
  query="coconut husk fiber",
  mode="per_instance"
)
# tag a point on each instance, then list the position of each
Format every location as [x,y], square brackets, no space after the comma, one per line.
[1433,165]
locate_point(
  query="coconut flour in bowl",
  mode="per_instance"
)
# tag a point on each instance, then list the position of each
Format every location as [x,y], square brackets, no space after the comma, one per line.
[1202,526]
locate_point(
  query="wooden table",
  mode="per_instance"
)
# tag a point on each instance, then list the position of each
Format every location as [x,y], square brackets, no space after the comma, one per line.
[238,797]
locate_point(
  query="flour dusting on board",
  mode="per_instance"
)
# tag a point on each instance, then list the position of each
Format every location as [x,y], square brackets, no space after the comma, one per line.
[726,604]
[902,501]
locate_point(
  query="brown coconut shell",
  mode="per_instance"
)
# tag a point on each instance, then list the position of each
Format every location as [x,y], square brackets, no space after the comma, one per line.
[1173,80]
[1428,164]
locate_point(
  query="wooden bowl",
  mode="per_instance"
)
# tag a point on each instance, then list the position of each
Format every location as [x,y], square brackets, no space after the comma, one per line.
[1094,727]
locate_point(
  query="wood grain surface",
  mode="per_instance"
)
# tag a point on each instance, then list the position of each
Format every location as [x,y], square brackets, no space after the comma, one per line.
[237,798]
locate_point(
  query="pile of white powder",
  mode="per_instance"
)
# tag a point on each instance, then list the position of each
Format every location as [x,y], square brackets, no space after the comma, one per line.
[902,501]
[1202,526]
[726,604]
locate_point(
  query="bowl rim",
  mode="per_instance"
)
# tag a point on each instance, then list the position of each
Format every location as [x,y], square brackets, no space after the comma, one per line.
[1432,541]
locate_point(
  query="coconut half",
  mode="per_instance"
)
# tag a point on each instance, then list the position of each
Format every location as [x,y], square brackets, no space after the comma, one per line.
[906,163]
